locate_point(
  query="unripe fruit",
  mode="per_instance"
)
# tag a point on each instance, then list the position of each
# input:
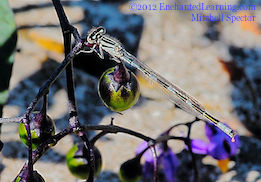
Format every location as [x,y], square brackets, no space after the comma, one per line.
[42,128]
[77,161]
[131,170]
[118,88]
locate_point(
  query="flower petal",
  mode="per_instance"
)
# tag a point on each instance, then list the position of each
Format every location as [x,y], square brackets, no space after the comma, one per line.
[168,164]
[216,148]
[220,146]
[148,169]
[199,146]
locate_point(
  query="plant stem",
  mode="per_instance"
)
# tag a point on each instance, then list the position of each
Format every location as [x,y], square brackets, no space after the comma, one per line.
[97,137]
[61,15]
[73,112]
[117,129]
[188,143]
[11,120]
[155,159]
[44,89]
[91,159]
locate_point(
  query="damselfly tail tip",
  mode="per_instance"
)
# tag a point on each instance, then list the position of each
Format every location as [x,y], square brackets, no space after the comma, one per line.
[231,133]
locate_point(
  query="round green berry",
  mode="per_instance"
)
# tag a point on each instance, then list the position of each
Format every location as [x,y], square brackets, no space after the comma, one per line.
[118,91]
[77,161]
[131,170]
[42,128]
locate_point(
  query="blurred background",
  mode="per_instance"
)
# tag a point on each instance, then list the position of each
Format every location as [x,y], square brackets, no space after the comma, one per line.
[217,62]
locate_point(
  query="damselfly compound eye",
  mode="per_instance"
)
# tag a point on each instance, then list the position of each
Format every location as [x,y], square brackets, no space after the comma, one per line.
[101,30]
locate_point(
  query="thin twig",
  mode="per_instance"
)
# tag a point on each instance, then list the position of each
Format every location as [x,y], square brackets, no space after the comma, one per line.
[97,137]
[89,148]
[188,143]
[45,87]
[26,121]
[117,129]
[11,120]
[152,147]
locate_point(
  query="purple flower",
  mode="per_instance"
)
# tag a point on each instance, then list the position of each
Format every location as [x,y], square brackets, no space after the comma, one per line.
[219,147]
[167,162]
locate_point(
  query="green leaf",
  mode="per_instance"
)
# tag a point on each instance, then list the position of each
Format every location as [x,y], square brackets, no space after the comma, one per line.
[8,38]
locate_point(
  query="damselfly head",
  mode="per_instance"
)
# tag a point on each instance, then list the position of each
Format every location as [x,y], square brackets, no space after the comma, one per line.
[95,34]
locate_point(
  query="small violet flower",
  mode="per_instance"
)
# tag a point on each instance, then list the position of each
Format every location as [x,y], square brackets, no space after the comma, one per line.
[167,162]
[219,147]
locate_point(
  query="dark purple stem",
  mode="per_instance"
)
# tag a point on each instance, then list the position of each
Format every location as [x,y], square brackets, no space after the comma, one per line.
[196,177]
[11,120]
[97,137]
[73,112]
[188,143]
[45,88]
[29,177]
[155,160]
[105,129]
[179,124]
[66,27]
[61,15]
[89,148]
[117,129]
[45,105]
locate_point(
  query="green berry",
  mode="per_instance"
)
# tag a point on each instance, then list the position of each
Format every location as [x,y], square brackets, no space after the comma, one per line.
[131,170]
[118,88]
[77,161]
[42,128]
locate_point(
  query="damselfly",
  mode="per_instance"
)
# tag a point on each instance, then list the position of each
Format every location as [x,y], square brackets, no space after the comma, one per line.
[100,41]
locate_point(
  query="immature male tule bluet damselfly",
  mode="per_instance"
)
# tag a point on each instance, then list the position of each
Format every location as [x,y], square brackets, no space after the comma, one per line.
[100,41]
